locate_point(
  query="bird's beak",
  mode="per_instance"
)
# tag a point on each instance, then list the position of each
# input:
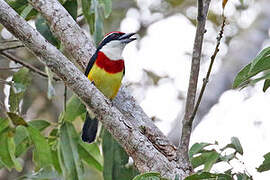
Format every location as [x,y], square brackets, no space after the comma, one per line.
[126,38]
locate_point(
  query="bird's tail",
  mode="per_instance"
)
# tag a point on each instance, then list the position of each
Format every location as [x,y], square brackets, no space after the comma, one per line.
[89,130]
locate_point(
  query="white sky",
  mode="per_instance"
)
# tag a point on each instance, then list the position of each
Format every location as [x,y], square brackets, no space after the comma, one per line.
[163,52]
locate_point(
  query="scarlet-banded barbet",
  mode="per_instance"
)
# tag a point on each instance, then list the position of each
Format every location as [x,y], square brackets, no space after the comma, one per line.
[105,70]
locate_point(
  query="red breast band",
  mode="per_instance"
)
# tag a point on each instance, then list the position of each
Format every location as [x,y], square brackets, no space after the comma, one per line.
[110,66]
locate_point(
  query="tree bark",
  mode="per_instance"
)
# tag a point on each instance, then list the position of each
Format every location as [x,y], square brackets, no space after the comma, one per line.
[203,6]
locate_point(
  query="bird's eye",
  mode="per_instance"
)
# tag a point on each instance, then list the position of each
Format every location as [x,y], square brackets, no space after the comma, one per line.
[112,36]
[115,36]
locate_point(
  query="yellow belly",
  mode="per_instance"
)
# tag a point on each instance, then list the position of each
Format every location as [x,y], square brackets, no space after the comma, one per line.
[107,83]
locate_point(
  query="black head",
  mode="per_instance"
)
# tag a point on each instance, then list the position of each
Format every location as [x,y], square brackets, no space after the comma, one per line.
[117,35]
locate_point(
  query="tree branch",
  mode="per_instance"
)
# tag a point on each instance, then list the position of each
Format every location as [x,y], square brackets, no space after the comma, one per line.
[66,30]
[12,44]
[6,82]
[70,34]
[4,110]
[12,47]
[203,6]
[11,68]
[29,66]
[206,79]
[138,146]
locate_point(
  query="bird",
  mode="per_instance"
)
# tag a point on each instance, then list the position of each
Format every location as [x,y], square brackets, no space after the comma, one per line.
[106,70]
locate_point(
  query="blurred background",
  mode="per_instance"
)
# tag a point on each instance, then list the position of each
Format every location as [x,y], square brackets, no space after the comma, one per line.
[158,67]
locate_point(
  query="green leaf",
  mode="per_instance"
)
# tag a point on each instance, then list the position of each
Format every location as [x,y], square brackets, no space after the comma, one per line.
[148,176]
[196,148]
[11,149]
[259,64]
[53,140]
[177,177]
[89,14]
[175,2]
[18,88]
[7,152]
[21,140]
[44,29]
[208,159]
[69,151]
[208,176]
[212,159]
[107,5]
[16,119]
[39,124]
[265,166]
[42,152]
[266,85]
[227,158]
[242,2]
[4,124]
[262,65]
[242,76]
[74,108]
[56,159]
[26,11]
[71,6]
[99,28]
[91,155]
[115,160]
[22,8]
[237,145]
[31,15]
[21,80]
[264,53]
[21,137]
[256,80]
[242,176]
[17,5]
[51,90]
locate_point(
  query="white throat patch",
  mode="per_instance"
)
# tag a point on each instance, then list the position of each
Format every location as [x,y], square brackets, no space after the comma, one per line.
[113,49]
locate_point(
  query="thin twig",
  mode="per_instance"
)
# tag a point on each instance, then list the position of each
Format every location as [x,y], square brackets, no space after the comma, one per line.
[29,66]
[12,47]
[10,68]
[203,6]
[4,110]
[6,82]
[205,80]
[10,41]
[200,10]
[65,98]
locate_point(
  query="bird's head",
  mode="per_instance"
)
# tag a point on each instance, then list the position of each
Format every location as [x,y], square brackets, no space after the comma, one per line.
[114,43]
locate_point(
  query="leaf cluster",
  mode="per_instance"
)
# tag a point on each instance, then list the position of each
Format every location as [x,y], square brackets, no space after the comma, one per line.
[260,64]
[61,153]
[58,154]
[204,156]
